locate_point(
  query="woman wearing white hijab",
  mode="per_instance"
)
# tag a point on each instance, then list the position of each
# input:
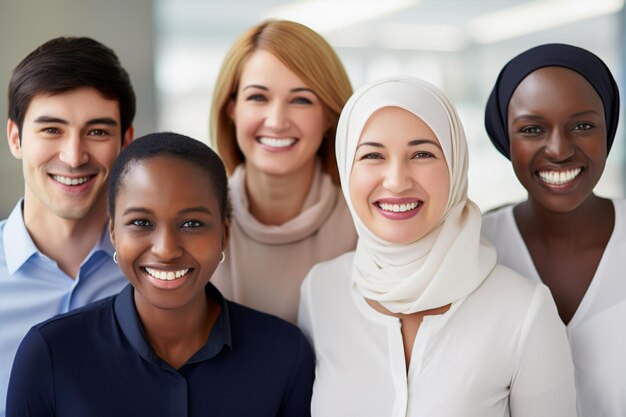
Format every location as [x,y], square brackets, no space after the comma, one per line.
[420,320]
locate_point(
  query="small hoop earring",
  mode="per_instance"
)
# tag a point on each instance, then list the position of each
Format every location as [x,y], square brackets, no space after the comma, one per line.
[115,256]
[223,257]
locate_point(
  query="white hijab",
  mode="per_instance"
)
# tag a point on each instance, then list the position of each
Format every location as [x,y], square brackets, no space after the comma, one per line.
[450,261]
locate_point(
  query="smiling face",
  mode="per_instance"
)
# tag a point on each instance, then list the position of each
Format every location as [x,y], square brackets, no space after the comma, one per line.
[400,182]
[168,232]
[68,144]
[279,120]
[557,134]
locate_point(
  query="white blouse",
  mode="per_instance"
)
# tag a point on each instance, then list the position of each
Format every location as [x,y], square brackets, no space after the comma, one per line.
[597,331]
[501,351]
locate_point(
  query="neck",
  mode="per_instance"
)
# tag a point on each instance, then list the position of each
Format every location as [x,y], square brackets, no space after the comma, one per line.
[276,199]
[67,241]
[585,221]
[177,334]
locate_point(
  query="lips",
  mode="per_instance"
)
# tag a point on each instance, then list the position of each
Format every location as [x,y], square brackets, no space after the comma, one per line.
[71,181]
[167,279]
[276,143]
[398,208]
[559,177]
[166,275]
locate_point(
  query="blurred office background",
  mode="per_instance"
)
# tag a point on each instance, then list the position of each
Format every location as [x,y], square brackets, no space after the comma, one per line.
[173,50]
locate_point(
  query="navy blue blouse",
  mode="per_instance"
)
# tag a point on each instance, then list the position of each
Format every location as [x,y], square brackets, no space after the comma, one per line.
[95,361]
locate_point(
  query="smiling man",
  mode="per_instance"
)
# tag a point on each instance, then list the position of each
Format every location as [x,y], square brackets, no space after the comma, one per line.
[71,106]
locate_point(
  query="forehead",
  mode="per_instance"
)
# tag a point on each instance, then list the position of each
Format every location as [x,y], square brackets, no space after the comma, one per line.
[75,105]
[553,89]
[166,181]
[264,68]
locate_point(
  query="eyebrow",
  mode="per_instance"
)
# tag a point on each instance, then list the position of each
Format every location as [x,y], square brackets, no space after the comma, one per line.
[142,210]
[293,90]
[414,142]
[532,117]
[199,209]
[97,121]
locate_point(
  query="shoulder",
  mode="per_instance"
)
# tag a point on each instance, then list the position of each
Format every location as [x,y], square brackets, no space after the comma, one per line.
[327,275]
[498,214]
[249,326]
[339,220]
[620,206]
[499,224]
[506,290]
[78,322]
[2,225]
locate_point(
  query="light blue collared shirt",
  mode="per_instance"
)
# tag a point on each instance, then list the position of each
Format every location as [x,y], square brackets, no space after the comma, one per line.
[33,288]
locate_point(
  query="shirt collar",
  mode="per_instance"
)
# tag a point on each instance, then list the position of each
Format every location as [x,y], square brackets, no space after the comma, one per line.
[128,320]
[19,246]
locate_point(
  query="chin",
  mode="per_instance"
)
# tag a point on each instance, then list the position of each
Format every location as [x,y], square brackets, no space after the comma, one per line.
[562,204]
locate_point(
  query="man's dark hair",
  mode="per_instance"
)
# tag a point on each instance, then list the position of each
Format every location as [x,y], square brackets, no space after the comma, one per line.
[67,63]
[176,146]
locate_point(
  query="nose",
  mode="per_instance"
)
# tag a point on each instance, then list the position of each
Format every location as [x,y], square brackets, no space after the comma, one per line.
[277,117]
[73,152]
[398,178]
[166,246]
[559,146]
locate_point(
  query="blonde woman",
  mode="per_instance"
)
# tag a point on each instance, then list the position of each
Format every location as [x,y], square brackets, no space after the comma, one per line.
[275,109]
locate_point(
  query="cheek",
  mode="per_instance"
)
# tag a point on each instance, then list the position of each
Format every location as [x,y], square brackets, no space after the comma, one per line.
[246,118]
[522,153]
[597,149]
[443,187]
[35,153]
[106,153]
[362,184]
[128,249]
[436,182]
[312,123]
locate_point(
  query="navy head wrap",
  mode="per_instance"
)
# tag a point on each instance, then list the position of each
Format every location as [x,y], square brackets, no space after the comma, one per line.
[592,68]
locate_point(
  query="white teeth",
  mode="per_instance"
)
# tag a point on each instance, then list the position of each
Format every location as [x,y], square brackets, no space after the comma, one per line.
[559,177]
[166,275]
[398,208]
[70,181]
[276,142]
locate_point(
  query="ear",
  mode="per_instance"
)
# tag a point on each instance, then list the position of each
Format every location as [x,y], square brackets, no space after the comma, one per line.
[13,136]
[128,136]
[226,234]
[112,231]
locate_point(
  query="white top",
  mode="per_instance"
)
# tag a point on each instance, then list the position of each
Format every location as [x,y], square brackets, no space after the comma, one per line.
[501,351]
[597,332]
[265,265]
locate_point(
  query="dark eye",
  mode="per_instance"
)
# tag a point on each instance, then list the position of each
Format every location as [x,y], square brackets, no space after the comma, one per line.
[256,97]
[51,130]
[98,132]
[191,224]
[372,155]
[583,126]
[531,130]
[302,100]
[422,154]
[141,223]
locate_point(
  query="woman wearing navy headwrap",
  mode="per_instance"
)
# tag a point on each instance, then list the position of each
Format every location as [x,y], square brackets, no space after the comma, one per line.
[554,112]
